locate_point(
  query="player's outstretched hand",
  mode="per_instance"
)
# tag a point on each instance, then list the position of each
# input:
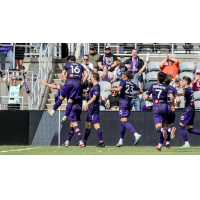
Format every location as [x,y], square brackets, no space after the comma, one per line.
[42,81]
[84,107]
[107,89]
[173,108]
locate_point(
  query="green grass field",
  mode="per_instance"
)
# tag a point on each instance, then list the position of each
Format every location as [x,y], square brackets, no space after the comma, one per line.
[91,150]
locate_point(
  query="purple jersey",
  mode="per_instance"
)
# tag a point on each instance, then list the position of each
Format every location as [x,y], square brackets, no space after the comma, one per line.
[94,107]
[159,93]
[126,94]
[189,100]
[74,73]
[175,94]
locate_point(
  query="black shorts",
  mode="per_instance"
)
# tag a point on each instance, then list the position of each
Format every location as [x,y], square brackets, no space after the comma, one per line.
[13,106]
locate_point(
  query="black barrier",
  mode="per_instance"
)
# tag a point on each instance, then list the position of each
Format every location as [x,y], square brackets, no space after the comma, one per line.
[20,128]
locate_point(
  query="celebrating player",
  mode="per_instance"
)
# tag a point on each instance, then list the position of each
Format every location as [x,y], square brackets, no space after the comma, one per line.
[72,74]
[127,88]
[171,114]
[74,115]
[187,118]
[160,91]
[93,110]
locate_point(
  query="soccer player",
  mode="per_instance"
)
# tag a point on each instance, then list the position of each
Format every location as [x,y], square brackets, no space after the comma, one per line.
[93,110]
[74,115]
[72,74]
[171,114]
[159,92]
[187,118]
[126,89]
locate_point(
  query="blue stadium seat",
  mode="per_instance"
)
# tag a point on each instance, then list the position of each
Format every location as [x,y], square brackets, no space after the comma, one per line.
[187,66]
[153,66]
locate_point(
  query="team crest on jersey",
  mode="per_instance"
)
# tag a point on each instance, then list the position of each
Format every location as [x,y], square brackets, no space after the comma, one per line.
[71,75]
[156,101]
[191,103]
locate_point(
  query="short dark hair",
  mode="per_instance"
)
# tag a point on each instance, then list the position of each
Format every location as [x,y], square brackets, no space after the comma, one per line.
[128,74]
[86,56]
[136,50]
[161,77]
[95,76]
[168,79]
[71,58]
[187,79]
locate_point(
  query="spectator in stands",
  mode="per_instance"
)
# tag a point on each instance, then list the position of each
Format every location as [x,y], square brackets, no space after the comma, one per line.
[107,59]
[19,56]
[88,66]
[6,51]
[93,57]
[147,106]
[44,46]
[171,68]
[13,90]
[104,75]
[135,64]
[196,81]
[118,72]
[95,70]
[113,100]
[79,52]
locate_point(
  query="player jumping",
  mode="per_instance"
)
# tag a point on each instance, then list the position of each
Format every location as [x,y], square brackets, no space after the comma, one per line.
[187,118]
[127,88]
[160,91]
[93,110]
[72,74]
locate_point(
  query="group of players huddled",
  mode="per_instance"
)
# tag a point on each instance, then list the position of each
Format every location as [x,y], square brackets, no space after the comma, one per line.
[164,98]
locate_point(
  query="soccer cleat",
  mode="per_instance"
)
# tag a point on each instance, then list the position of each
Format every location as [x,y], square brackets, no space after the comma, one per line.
[62,122]
[185,146]
[81,145]
[49,112]
[167,146]
[158,148]
[85,144]
[137,138]
[164,132]
[119,144]
[65,144]
[101,144]
[173,133]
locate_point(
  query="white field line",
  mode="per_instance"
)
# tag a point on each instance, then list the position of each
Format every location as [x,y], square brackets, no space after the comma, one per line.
[21,149]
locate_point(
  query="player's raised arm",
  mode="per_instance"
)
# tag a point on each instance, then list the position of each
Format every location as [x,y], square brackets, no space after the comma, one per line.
[118,89]
[49,85]
[86,75]
[144,67]
[89,102]
[178,101]
[64,75]
[172,101]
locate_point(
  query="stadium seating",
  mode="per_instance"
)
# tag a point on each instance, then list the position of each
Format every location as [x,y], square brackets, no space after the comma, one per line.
[111,75]
[187,66]
[116,84]
[197,66]
[196,95]
[148,84]
[104,85]
[153,66]
[197,105]
[189,74]
[151,76]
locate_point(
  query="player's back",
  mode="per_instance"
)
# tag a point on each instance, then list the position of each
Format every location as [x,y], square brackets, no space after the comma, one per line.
[74,73]
[126,94]
[189,99]
[94,90]
[159,93]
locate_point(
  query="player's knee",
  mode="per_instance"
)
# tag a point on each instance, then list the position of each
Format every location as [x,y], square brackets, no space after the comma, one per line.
[190,130]
[181,127]
[61,98]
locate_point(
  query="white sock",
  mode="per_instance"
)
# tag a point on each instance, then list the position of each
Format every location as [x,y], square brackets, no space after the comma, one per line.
[136,134]
[67,141]
[64,118]
[161,129]
[160,145]
[187,143]
[168,142]
[53,111]
[120,140]
[169,129]
[81,142]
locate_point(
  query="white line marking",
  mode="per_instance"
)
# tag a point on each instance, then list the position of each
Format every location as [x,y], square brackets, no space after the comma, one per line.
[21,149]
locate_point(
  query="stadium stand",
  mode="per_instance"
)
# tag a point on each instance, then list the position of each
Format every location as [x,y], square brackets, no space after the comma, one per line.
[153,66]
[197,66]
[187,66]
[151,76]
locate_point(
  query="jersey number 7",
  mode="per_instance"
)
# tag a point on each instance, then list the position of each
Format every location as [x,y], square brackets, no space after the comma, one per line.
[159,92]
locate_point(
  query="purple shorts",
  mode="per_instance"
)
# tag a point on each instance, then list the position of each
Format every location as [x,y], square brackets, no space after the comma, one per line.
[171,118]
[160,118]
[70,91]
[124,112]
[75,115]
[93,118]
[187,119]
